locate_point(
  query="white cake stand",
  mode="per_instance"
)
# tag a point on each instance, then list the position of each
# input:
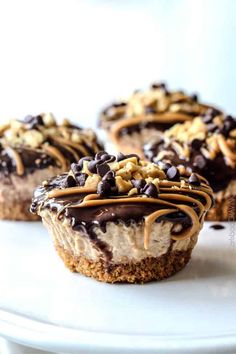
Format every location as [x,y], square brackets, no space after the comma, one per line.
[44,306]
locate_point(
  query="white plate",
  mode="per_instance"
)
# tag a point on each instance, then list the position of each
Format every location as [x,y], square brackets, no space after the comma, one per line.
[44,305]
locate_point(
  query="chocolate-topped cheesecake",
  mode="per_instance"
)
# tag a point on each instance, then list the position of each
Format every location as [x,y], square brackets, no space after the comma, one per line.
[32,150]
[206,145]
[134,122]
[121,219]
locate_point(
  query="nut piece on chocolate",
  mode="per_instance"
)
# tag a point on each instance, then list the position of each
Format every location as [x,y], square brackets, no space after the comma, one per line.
[122,219]
[147,114]
[205,146]
[34,149]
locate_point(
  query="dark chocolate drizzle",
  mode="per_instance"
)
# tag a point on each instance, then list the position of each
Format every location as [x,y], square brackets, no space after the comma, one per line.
[137,128]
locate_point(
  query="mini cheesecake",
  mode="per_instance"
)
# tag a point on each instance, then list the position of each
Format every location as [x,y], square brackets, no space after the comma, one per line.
[121,219]
[32,150]
[132,123]
[207,146]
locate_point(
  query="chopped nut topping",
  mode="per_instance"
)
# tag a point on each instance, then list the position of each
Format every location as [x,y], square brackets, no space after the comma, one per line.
[153,101]
[122,175]
[51,143]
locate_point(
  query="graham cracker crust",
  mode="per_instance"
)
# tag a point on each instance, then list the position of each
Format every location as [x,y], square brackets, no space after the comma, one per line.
[141,272]
[17,211]
[223,211]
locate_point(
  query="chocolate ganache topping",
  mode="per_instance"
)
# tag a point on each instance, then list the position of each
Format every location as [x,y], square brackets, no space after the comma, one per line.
[206,145]
[156,108]
[37,142]
[125,189]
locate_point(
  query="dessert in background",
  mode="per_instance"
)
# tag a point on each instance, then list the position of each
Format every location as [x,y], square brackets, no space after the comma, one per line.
[32,150]
[121,219]
[145,115]
[206,145]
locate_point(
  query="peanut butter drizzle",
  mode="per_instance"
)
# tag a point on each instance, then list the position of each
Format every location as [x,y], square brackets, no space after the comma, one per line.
[68,191]
[55,153]
[193,191]
[94,199]
[183,198]
[77,146]
[4,127]
[18,160]
[167,117]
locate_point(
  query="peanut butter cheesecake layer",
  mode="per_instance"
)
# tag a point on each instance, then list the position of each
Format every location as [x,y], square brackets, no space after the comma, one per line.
[121,219]
[145,115]
[206,146]
[32,150]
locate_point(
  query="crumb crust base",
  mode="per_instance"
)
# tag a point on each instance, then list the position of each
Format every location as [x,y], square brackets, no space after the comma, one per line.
[147,270]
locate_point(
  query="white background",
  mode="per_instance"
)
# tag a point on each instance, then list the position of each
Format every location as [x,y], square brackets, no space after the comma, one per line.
[72,57]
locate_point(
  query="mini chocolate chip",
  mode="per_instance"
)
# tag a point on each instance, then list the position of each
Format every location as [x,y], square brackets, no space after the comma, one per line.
[229,118]
[103,188]
[229,124]
[69,182]
[120,157]
[132,155]
[173,174]
[207,119]
[196,144]
[81,161]
[109,175]
[110,178]
[100,154]
[102,169]
[194,97]
[114,190]
[138,183]
[39,120]
[150,190]
[199,161]
[212,112]
[164,166]
[75,168]
[32,122]
[92,166]
[81,178]
[119,104]
[108,158]
[194,180]
[211,127]
[158,85]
